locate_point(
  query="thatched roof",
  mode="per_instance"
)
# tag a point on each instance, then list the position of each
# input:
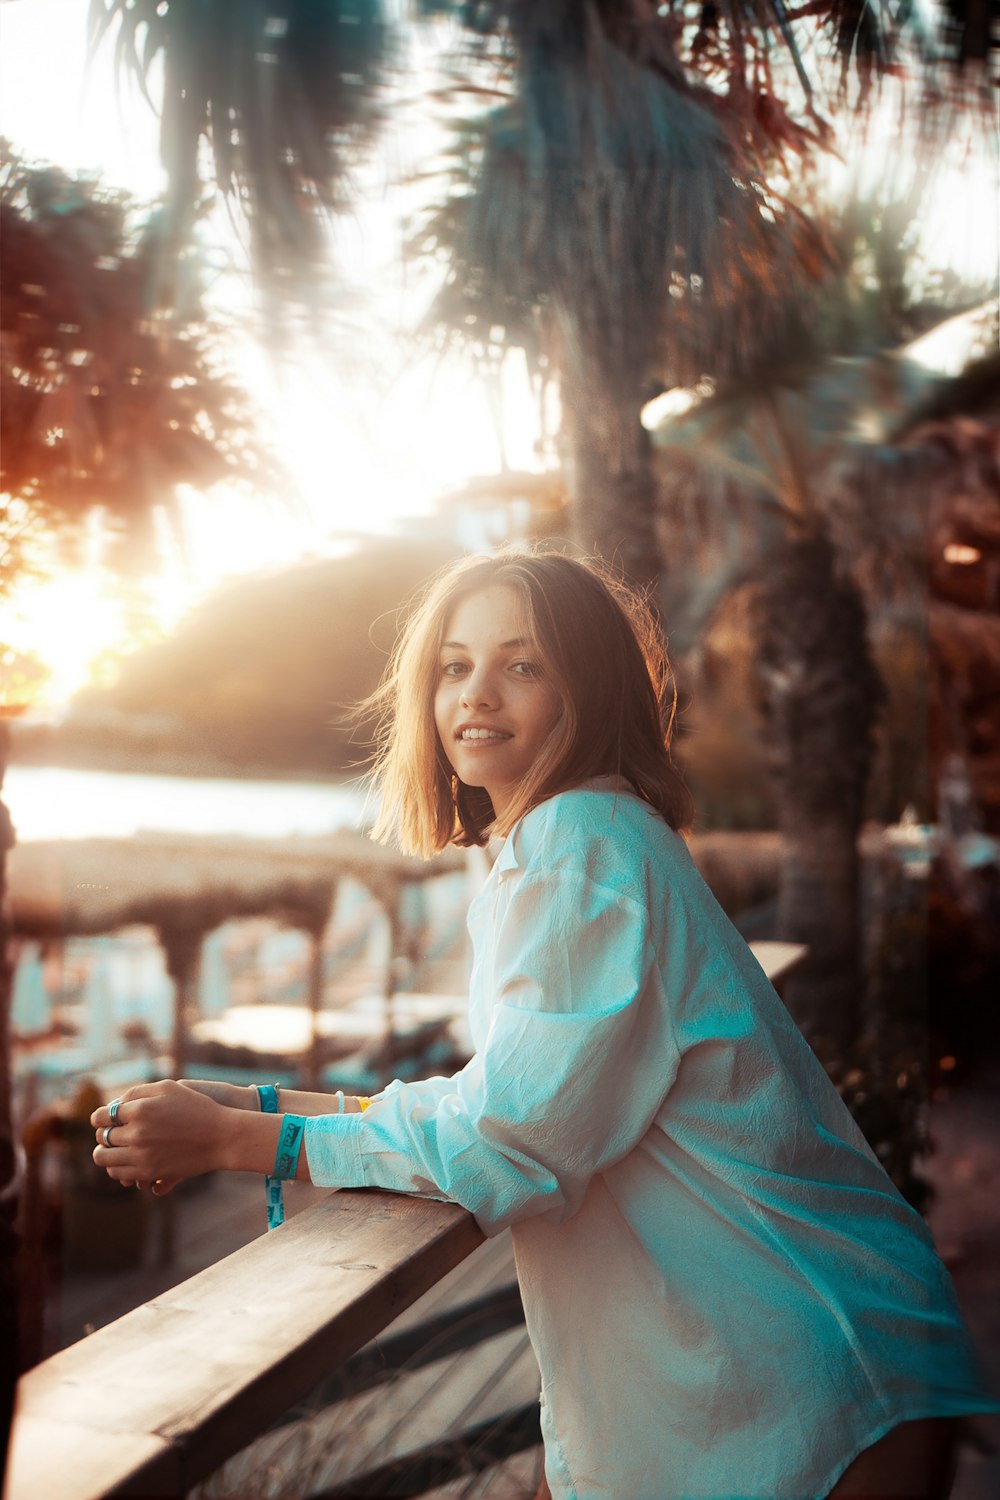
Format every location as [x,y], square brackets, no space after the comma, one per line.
[172,882]
[88,886]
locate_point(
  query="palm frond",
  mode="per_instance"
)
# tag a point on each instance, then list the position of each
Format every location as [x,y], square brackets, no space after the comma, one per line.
[283,92]
[810,444]
[623,205]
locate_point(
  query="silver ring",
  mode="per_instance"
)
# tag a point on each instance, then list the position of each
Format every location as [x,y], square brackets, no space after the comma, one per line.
[113,1109]
[106,1134]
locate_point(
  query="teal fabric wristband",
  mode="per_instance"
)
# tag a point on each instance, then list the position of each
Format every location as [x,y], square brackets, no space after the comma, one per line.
[286,1158]
[275,1204]
[267,1095]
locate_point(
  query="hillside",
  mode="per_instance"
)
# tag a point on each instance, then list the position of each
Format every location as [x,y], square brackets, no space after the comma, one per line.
[259,677]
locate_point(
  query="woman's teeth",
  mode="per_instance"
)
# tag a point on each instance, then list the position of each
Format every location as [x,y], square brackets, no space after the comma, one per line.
[483,734]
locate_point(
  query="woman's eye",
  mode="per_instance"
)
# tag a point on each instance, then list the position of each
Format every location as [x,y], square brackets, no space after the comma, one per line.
[525,668]
[452,668]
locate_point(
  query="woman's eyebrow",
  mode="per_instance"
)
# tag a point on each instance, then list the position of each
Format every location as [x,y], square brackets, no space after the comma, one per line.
[504,645]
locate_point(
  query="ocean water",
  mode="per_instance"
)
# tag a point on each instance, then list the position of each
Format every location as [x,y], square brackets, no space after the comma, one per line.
[48,802]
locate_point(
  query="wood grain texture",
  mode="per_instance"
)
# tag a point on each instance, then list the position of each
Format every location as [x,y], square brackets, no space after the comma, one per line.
[72,1458]
[166,1393]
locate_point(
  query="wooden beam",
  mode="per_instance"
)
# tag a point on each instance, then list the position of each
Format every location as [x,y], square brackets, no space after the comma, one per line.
[779,959]
[153,1403]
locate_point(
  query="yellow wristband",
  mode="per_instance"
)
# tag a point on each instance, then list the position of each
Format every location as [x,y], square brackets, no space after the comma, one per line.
[363,1104]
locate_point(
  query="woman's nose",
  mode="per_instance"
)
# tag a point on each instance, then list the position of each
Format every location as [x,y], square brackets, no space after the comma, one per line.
[479,691]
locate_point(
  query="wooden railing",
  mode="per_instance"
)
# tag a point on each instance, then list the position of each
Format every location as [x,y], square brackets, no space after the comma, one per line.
[154,1402]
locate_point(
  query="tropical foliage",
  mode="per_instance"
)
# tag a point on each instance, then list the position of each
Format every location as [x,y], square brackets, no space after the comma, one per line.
[826,551]
[114,388]
[616,219]
[623,213]
[626,211]
[284,95]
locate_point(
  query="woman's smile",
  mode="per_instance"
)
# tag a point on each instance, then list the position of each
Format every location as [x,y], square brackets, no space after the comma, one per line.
[494,707]
[473,734]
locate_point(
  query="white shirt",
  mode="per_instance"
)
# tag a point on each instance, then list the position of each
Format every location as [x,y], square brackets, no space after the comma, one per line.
[726,1295]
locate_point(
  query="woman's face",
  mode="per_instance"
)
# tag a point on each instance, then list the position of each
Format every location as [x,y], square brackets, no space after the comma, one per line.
[494,706]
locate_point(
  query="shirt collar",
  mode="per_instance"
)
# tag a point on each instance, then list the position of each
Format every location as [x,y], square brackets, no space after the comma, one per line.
[507,858]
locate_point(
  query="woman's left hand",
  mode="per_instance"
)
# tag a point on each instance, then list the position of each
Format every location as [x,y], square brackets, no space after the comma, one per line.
[162,1132]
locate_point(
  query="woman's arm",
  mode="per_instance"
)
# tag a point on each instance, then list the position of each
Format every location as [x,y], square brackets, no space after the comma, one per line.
[169,1130]
[290,1101]
[578,1058]
[579,1055]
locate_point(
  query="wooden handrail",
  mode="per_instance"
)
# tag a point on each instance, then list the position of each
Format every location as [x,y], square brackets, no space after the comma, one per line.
[154,1402]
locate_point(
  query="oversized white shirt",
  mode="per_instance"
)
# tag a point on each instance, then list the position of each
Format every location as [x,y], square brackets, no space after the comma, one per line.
[726,1295]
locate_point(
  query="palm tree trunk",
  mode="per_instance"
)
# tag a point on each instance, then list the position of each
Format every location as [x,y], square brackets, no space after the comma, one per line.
[820,694]
[612,483]
[818,904]
[9,1342]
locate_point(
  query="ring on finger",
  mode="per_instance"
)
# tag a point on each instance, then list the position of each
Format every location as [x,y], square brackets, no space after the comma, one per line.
[113,1109]
[106,1134]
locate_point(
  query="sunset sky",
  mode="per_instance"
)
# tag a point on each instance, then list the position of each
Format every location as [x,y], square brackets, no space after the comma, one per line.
[369,433]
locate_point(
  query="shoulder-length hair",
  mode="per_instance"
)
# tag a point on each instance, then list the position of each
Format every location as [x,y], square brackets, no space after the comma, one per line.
[603,652]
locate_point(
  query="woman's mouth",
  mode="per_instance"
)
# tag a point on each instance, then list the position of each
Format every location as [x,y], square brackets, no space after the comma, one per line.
[475,736]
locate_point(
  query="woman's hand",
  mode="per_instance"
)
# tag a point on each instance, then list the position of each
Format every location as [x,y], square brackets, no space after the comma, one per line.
[166,1131]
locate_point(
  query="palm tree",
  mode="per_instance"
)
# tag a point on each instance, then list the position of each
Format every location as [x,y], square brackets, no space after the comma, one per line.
[791,441]
[615,220]
[623,215]
[617,214]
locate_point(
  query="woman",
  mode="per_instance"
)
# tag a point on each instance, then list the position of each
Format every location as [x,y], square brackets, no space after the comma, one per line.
[726,1295]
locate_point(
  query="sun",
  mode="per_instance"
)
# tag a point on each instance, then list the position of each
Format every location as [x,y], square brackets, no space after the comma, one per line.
[65,622]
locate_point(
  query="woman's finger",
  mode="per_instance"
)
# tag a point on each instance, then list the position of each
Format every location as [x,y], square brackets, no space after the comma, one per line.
[118,1153]
[120,1157]
[125,1103]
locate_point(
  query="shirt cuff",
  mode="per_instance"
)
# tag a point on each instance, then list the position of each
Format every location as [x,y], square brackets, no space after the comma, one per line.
[333,1150]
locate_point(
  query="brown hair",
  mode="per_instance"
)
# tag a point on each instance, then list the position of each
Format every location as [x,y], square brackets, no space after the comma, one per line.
[603,649]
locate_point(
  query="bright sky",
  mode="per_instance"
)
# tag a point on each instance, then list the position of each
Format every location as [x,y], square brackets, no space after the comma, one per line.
[367,435]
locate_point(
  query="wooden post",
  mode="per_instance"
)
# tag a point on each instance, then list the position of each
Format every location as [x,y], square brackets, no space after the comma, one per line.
[394,913]
[9,1241]
[182,949]
[314,1060]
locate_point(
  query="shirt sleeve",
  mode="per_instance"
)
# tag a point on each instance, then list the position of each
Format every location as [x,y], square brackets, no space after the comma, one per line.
[576,1063]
